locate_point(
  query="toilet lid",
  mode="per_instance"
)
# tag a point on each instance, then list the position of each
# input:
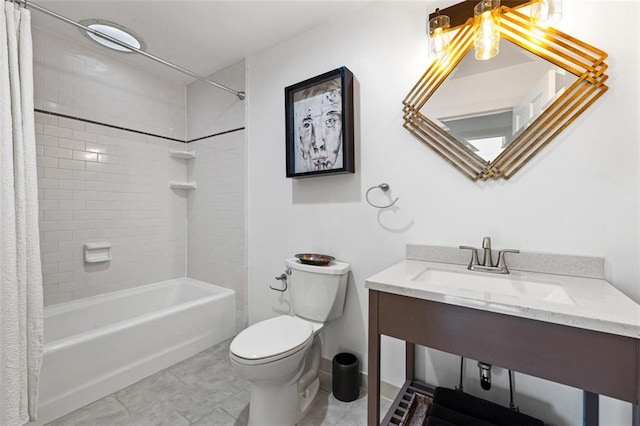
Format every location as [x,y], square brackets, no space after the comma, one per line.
[271,337]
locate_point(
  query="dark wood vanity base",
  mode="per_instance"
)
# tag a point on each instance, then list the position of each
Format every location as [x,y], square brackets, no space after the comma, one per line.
[597,362]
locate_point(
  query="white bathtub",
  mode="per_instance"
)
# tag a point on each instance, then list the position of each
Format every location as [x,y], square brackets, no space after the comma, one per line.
[96,346]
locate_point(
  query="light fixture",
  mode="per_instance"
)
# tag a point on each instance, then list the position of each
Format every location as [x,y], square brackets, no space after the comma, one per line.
[545,13]
[115,31]
[438,35]
[486,32]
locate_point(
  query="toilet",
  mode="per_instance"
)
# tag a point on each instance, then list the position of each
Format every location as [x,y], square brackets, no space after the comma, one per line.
[281,356]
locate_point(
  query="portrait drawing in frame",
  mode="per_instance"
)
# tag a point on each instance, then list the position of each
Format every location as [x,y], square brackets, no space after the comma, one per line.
[319,125]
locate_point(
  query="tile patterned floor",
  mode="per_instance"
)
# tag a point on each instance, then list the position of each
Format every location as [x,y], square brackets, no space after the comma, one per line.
[201,391]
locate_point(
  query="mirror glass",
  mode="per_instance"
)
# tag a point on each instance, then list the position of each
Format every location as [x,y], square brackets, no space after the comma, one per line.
[485,105]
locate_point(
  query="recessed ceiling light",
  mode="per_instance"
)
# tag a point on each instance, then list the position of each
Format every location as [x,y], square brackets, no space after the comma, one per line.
[115,31]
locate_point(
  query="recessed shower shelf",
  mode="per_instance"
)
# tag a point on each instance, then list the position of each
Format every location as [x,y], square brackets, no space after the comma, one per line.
[186,155]
[182,185]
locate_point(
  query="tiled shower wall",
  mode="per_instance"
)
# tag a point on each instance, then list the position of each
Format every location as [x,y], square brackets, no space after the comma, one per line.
[216,210]
[101,183]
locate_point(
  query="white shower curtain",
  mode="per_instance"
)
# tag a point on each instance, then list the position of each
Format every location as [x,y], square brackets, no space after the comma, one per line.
[20,271]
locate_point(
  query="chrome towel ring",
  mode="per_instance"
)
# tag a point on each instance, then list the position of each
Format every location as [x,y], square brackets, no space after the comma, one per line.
[384,187]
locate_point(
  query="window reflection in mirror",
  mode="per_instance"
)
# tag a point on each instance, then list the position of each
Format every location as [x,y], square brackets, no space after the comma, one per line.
[486,105]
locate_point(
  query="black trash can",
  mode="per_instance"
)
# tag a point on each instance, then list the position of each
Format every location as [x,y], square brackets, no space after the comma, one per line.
[346,377]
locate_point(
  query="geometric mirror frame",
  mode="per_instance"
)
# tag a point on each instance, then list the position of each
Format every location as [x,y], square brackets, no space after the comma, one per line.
[584,61]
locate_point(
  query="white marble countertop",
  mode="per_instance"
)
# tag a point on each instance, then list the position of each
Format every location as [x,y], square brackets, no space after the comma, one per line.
[593,304]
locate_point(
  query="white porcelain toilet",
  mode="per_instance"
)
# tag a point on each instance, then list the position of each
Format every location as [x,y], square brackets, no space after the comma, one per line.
[281,356]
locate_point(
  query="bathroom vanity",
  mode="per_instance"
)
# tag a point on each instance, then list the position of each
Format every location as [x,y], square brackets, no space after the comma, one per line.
[575,330]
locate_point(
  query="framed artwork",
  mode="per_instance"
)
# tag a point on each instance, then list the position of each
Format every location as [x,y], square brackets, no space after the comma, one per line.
[319,125]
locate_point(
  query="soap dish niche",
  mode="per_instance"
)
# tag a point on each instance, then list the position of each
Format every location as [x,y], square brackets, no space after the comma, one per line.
[97,251]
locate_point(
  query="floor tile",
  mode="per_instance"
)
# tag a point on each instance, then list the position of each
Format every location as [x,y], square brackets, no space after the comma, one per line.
[218,417]
[357,414]
[104,412]
[160,387]
[162,414]
[326,410]
[202,391]
[238,405]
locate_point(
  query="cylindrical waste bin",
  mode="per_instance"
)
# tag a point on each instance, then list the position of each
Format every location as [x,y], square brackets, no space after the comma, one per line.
[346,377]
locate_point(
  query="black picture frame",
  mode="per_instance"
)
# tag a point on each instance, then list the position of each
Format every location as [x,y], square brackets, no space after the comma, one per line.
[316,145]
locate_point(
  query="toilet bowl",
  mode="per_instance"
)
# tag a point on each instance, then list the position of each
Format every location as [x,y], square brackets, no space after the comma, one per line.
[281,356]
[281,359]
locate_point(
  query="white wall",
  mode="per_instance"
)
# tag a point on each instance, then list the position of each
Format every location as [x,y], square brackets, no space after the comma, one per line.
[579,196]
[216,248]
[96,182]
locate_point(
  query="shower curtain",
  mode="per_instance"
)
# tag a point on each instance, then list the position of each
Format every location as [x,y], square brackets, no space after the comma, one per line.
[21,306]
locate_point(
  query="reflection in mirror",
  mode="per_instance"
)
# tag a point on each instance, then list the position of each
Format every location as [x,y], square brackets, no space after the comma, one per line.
[486,105]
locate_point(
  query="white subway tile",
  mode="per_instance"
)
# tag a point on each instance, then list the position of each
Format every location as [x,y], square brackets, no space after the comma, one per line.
[111,159]
[47,183]
[85,156]
[69,266]
[57,194]
[49,268]
[71,144]
[86,137]
[71,164]
[56,236]
[57,214]
[85,195]
[54,173]
[47,162]
[98,167]
[46,119]
[85,214]
[55,130]
[72,205]
[47,140]
[71,184]
[68,123]
[58,277]
[86,176]
[71,285]
[58,256]
[97,148]
[54,299]
[71,225]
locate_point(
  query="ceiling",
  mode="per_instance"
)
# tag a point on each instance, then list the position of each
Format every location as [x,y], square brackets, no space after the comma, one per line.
[202,36]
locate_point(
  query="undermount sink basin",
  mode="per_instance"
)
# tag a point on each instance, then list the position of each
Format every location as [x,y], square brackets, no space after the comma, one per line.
[469,284]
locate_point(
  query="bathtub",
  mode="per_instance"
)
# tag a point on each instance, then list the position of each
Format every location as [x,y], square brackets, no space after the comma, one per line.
[96,346]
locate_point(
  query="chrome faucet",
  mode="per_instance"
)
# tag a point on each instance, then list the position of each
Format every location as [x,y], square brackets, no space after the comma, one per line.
[487,265]
[486,246]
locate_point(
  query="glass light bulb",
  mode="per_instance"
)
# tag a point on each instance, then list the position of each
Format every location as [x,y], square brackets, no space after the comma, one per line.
[486,37]
[439,37]
[545,13]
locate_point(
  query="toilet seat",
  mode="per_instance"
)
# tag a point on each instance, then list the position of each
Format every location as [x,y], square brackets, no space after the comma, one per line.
[271,340]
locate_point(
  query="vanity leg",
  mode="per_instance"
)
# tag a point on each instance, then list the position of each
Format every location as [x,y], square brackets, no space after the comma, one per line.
[373,385]
[590,409]
[635,415]
[409,361]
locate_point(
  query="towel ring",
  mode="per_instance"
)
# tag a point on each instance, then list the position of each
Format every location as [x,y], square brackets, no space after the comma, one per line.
[384,187]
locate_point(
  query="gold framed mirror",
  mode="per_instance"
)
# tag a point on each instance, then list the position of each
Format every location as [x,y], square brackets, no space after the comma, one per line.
[486,122]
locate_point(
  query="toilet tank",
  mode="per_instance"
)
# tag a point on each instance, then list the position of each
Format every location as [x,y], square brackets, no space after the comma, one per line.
[317,292]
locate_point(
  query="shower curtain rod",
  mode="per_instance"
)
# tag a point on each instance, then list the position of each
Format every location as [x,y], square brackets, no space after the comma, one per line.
[25,3]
